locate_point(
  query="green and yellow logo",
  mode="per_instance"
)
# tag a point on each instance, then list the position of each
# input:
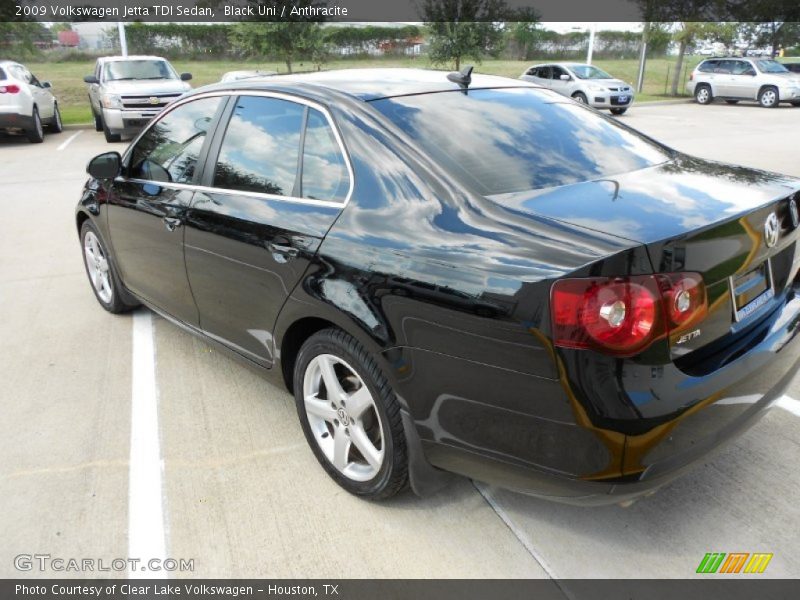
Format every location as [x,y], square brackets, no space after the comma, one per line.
[735,562]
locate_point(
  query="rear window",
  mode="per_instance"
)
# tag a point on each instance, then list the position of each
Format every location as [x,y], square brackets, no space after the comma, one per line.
[500,141]
[708,66]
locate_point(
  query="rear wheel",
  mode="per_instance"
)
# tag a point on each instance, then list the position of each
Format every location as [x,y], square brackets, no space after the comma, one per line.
[100,270]
[768,97]
[350,415]
[56,125]
[35,133]
[618,111]
[703,95]
[580,97]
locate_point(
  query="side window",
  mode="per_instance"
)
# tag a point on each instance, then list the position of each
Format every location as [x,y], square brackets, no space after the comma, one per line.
[709,66]
[261,147]
[725,66]
[169,150]
[558,72]
[325,175]
[533,72]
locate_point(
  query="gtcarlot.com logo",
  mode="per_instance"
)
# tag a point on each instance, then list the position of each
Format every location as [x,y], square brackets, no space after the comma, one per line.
[734,562]
[47,562]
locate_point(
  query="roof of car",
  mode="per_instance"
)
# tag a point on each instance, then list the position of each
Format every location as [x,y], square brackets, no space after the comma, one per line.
[124,58]
[372,84]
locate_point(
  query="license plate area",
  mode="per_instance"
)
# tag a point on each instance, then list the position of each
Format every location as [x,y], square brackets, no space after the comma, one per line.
[752,290]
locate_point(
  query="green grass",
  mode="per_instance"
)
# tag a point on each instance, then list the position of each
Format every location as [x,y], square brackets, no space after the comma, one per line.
[69,88]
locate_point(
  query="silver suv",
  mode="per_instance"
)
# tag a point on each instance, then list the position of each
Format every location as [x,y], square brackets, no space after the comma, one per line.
[733,79]
[125,92]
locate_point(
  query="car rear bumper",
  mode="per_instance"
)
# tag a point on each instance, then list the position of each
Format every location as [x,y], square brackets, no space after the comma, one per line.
[13,120]
[636,462]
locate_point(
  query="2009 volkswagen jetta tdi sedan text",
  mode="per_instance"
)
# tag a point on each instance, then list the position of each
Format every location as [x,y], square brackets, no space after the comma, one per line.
[459,274]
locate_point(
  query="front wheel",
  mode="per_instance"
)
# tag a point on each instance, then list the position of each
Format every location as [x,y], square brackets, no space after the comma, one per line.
[618,111]
[98,121]
[350,415]
[580,97]
[56,125]
[111,137]
[100,270]
[35,133]
[768,97]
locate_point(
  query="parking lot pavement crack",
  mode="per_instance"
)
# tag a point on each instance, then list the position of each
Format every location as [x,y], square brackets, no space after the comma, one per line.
[486,492]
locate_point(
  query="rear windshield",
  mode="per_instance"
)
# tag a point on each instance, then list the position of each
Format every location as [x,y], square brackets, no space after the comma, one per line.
[500,141]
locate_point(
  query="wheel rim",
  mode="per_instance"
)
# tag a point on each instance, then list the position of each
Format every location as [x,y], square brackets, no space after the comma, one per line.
[768,98]
[581,99]
[343,418]
[97,265]
[702,95]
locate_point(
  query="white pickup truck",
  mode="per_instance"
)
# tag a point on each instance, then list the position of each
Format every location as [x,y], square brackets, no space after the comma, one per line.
[125,92]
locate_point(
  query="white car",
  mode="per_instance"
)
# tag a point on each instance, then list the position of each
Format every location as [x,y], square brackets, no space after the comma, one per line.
[26,104]
[583,83]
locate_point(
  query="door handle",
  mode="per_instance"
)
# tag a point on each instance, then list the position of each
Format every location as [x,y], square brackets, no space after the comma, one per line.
[172,223]
[284,250]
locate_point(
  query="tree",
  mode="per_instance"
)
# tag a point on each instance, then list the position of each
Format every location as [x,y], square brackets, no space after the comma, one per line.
[290,40]
[460,29]
[525,33]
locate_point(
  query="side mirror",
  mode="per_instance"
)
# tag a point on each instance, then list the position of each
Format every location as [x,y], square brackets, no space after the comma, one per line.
[105,166]
[91,79]
[46,85]
[565,77]
[186,76]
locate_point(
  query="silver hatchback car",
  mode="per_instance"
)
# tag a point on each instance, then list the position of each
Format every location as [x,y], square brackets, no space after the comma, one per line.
[733,79]
[584,83]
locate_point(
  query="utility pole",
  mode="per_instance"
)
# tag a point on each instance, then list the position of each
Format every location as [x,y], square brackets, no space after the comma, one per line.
[123,41]
[643,57]
[591,44]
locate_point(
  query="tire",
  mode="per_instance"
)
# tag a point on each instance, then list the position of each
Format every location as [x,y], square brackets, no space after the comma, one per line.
[56,125]
[731,101]
[363,412]
[703,95]
[111,138]
[35,134]
[101,271]
[618,111]
[98,121]
[768,97]
[580,97]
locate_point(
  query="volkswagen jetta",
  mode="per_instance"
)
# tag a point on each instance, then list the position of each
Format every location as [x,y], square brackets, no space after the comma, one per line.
[459,274]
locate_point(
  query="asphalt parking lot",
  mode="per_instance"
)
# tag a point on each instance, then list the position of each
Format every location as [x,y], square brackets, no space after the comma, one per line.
[242,494]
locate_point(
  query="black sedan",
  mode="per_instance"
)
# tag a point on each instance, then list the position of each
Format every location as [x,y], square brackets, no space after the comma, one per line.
[458,273]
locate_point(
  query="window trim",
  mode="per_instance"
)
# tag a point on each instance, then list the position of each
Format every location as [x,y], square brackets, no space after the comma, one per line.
[219,132]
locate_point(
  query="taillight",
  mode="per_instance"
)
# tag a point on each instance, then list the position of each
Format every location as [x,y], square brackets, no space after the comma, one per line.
[9,89]
[623,316]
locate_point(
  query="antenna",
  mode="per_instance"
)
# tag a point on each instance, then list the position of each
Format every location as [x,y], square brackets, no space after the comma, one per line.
[462,77]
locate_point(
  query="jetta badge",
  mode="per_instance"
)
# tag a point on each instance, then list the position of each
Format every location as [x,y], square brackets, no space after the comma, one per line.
[793,213]
[771,230]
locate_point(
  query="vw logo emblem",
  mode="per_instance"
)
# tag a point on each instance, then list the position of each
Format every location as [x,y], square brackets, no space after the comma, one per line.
[771,230]
[343,418]
[793,213]
[154,99]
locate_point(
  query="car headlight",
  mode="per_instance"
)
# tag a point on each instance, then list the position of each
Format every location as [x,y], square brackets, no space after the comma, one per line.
[111,101]
[596,88]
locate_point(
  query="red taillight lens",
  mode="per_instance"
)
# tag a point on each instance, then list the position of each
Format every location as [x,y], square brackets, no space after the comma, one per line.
[9,89]
[623,316]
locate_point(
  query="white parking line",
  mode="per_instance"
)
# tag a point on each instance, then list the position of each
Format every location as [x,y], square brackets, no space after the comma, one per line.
[790,404]
[68,141]
[146,531]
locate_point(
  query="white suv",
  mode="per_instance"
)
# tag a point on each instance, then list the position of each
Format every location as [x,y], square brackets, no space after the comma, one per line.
[732,79]
[26,105]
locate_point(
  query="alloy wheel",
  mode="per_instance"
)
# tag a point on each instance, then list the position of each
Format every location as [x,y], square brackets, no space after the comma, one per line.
[768,98]
[703,95]
[97,265]
[343,418]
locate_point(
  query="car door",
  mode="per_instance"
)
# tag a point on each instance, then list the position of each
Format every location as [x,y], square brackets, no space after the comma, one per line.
[559,85]
[275,181]
[743,82]
[724,78]
[147,205]
[44,99]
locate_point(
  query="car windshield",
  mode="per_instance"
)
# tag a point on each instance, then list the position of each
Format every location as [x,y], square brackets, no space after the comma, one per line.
[508,140]
[139,69]
[771,66]
[589,72]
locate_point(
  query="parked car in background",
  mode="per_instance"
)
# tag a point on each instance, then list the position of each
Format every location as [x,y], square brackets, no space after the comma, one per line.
[126,92]
[793,67]
[732,79]
[237,75]
[27,105]
[584,83]
[459,273]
